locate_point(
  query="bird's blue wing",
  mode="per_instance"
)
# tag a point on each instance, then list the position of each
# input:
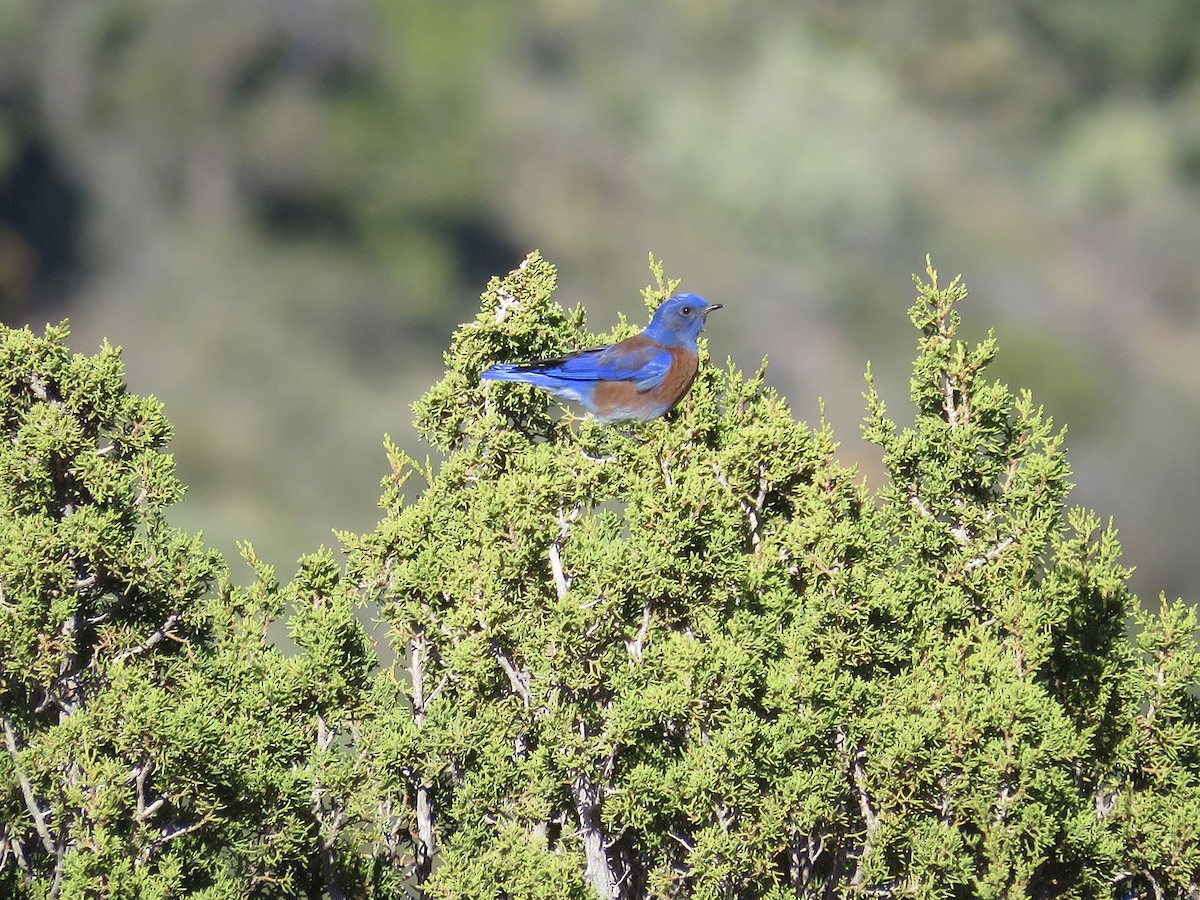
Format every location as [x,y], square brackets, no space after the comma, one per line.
[637,360]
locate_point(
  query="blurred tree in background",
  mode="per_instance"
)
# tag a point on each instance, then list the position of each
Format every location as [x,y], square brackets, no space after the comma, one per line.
[282,207]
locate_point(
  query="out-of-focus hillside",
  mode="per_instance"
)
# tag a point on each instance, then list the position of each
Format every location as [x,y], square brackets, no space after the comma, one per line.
[280,208]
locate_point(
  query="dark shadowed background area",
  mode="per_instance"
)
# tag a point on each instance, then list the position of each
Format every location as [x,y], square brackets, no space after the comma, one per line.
[282,208]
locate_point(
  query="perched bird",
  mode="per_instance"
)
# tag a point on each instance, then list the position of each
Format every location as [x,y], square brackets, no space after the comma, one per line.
[637,379]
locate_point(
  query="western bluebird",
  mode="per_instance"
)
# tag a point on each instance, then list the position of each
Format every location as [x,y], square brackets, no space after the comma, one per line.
[638,379]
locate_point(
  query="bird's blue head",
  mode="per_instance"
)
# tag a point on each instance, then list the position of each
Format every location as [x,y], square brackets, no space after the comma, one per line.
[678,321]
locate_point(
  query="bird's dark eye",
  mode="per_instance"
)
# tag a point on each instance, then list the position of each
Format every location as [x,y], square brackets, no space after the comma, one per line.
[685,311]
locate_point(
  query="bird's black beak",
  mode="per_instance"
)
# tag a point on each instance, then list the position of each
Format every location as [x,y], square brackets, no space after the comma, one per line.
[712,307]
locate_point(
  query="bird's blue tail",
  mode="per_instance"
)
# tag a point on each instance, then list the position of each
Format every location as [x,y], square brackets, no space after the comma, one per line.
[503,372]
[540,374]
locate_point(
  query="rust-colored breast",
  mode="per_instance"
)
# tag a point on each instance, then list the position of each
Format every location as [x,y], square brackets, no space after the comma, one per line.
[621,401]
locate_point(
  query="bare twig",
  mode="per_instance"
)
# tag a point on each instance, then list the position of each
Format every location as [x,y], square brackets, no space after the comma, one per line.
[955,412]
[426,846]
[166,629]
[860,789]
[43,390]
[166,835]
[69,669]
[751,506]
[144,810]
[10,847]
[325,734]
[519,680]
[634,645]
[328,862]
[506,304]
[56,848]
[858,780]
[959,531]
[422,698]
[760,498]
[38,814]
[962,534]
[562,584]
[725,816]
[1159,893]
[802,858]
[426,838]
[985,558]
[331,818]
[919,505]
[682,841]
[597,867]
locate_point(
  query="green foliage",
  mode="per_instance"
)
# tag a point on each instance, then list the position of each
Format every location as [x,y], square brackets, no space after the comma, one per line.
[697,659]
[703,660]
[155,744]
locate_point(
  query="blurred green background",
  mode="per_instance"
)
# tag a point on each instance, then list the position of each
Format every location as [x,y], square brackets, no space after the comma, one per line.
[281,209]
